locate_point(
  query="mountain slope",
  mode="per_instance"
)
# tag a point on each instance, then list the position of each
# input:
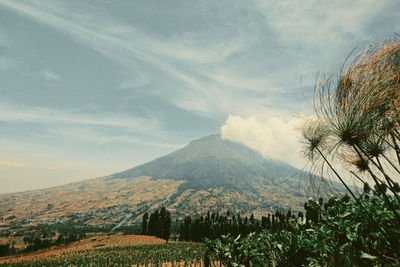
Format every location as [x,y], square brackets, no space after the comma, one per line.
[208,174]
[213,162]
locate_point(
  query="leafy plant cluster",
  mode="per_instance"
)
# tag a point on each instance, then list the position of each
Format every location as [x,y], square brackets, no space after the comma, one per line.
[337,233]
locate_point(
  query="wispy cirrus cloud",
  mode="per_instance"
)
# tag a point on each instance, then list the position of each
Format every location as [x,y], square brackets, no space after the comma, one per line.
[105,43]
[16,164]
[314,22]
[4,41]
[7,163]
[90,135]
[50,76]
[177,57]
[140,80]
[13,114]
[203,47]
[6,63]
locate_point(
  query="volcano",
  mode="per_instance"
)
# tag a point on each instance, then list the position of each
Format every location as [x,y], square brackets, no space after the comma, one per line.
[210,173]
[214,162]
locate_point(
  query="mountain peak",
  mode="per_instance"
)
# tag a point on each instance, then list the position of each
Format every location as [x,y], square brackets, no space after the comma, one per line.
[208,139]
[212,161]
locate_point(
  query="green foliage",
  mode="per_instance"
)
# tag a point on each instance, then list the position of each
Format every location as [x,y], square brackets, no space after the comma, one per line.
[339,235]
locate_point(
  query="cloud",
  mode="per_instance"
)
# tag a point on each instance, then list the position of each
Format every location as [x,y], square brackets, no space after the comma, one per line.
[112,47]
[274,137]
[182,59]
[233,81]
[97,136]
[50,76]
[92,127]
[50,167]
[199,46]
[6,163]
[149,126]
[4,41]
[140,80]
[315,22]
[6,64]
[212,46]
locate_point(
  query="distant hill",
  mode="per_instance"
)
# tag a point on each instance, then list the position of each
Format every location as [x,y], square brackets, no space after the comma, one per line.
[208,174]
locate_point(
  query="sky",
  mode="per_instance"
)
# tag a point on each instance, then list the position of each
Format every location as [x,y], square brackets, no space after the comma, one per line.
[90,88]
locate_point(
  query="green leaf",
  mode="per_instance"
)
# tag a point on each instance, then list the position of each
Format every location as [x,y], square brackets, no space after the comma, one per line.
[351,236]
[237,238]
[367,256]
[346,214]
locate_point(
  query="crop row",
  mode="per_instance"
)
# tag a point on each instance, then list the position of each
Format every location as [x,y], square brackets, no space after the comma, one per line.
[172,254]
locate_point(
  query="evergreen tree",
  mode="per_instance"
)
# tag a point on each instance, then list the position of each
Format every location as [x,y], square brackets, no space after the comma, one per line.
[154,224]
[264,222]
[165,224]
[186,228]
[145,223]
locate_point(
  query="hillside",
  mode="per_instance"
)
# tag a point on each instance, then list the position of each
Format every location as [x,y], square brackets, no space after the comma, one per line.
[213,162]
[209,173]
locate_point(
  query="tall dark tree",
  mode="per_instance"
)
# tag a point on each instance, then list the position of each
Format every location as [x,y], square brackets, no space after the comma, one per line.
[264,222]
[145,219]
[185,231]
[154,225]
[165,224]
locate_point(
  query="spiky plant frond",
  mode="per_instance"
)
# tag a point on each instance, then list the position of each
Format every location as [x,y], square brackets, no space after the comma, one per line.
[358,114]
[314,134]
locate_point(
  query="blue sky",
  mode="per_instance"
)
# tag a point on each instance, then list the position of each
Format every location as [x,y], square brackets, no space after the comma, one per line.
[89,88]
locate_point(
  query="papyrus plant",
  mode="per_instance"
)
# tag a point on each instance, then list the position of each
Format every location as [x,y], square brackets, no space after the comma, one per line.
[357,123]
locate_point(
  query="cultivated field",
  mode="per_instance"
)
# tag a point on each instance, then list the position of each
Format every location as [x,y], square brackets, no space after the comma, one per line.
[117,250]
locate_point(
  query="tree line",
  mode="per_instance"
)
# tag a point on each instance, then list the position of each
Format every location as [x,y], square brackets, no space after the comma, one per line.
[214,225]
[157,224]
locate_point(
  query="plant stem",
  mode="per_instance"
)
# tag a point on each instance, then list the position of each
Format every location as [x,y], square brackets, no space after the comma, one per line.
[337,175]
[390,162]
[357,200]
